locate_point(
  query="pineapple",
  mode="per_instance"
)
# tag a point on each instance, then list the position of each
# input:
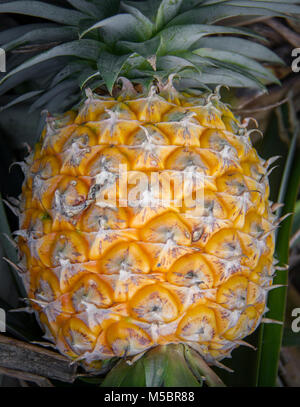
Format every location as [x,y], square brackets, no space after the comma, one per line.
[109,280]
[113,270]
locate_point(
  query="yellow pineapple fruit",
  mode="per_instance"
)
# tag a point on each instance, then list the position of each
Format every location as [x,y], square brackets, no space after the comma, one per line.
[112,280]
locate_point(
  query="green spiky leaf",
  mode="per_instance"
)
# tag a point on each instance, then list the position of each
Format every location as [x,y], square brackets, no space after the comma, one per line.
[217,76]
[15,33]
[239,46]
[39,71]
[271,334]
[20,99]
[110,66]
[148,25]
[183,37]
[166,11]
[296,224]
[145,49]
[88,49]
[43,10]
[73,68]
[87,7]
[147,8]
[121,26]
[44,34]
[238,60]
[8,250]
[209,14]
[173,63]
[67,85]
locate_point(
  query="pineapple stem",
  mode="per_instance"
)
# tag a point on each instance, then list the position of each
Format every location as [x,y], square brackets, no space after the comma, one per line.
[201,369]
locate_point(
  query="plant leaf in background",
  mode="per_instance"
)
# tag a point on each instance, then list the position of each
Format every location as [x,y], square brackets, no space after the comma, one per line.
[20,325]
[9,280]
[296,226]
[271,335]
[43,10]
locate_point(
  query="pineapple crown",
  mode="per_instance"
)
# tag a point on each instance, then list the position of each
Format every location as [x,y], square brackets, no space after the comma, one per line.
[92,43]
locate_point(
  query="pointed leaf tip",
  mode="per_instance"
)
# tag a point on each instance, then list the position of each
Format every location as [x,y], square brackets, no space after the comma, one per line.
[110,66]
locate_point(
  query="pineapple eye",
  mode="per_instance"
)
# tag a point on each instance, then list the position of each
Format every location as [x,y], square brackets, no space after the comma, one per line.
[46,167]
[215,140]
[209,205]
[90,290]
[224,244]
[57,247]
[123,112]
[96,218]
[191,270]
[233,293]
[198,325]
[244,326]
[150,109]
[148,134]
[175,116]
[181,160]
[44,292]
[167,227]
[257,229]
[181,127]
[81,140]
[91,112]
[219,143]
[77,337]
[36,222]
[70,197]
[154,304]
[109,159]
[127,339]
[240,187]
[46,287]
[231,124]
[191,274]
[232,183]
[124,259]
